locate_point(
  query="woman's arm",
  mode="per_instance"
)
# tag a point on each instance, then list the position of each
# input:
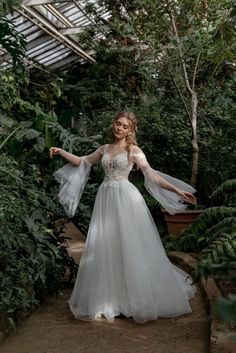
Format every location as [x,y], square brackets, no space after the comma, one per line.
[93,157]
[188,197]
[66,155]
[141,161]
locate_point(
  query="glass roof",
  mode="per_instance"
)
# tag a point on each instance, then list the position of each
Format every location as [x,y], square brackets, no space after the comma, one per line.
[51,28]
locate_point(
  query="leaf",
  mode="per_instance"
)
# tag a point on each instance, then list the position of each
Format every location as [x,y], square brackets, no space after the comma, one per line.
[40,145]
[12,322]
[226,308]
[49,140]
[27,134]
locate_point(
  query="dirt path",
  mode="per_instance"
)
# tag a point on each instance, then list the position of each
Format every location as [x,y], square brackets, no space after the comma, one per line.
[52,329]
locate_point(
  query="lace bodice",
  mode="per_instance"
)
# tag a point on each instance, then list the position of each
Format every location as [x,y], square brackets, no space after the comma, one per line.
[116,167]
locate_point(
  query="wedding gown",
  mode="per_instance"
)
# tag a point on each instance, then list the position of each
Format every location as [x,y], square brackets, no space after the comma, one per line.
[124,268]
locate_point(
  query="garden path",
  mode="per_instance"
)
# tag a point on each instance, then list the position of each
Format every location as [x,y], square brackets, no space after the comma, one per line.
[52,328]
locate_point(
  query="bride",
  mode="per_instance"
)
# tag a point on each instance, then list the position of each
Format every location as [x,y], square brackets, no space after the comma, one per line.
[124,268]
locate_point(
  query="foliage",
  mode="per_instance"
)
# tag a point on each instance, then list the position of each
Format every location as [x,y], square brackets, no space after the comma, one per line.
[12,41]
[226,308]
[31,258]
[193,238]
[224,194]
[217,130]
[6,6]
[220,254]
[213,235]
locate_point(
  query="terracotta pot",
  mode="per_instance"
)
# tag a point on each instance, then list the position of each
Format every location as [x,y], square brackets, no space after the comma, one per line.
[176,223]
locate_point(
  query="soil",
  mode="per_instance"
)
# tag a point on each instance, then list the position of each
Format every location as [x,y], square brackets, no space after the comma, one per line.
[53,329]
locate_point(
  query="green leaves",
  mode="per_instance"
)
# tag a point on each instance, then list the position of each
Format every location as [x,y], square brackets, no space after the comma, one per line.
[6,6]
[220,254]
[193,238]
[31,261]
[224,194]
[12,41]
[27,134]
[213,235]
[226,308]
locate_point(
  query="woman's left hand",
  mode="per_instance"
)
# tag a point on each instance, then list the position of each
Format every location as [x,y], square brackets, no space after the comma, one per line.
[188,197]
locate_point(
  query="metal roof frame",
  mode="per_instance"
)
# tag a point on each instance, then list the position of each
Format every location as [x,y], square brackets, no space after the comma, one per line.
[51,28]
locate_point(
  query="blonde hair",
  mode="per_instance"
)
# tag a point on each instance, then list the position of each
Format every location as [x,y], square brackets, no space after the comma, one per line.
[130,139]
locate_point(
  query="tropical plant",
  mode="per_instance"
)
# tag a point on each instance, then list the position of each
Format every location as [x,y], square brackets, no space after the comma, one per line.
[200,233]
[213,237]
[7,6]
[225,194]
[213,234]
[31,258]
[9,36]
[225,308]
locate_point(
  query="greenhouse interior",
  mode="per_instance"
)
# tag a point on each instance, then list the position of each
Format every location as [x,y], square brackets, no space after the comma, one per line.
[118,176]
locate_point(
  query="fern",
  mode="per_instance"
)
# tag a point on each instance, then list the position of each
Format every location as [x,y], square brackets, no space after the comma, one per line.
[220,254]
[172,242]
[226,225]
[192,237]
[224,194]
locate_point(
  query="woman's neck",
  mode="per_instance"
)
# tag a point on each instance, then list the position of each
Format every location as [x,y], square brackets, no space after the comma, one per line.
[120,143]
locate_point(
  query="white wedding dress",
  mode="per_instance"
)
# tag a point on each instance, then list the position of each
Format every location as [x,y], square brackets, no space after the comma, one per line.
[124,268]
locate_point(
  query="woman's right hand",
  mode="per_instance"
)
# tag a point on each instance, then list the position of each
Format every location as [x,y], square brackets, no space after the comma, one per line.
[54,151]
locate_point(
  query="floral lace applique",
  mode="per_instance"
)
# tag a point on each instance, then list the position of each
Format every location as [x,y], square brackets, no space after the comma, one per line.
[116,168]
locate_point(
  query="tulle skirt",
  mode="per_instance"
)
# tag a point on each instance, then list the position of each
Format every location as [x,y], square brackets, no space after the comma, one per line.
[124,268]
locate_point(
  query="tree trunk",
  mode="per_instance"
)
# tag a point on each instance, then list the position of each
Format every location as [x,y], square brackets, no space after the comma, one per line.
[193,96]
[194,142]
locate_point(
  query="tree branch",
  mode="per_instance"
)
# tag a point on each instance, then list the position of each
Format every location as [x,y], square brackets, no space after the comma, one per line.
[186,79]
[182,98]
[195,70]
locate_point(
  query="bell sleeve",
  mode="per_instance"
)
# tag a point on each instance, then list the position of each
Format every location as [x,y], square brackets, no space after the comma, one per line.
[72,180]
[169,200]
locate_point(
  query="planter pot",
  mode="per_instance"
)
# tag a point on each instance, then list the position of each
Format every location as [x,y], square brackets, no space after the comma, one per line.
[176,223]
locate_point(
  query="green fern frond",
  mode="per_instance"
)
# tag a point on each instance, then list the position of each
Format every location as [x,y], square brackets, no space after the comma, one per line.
[223,194]
[226,225]
[192,237]
[221,252]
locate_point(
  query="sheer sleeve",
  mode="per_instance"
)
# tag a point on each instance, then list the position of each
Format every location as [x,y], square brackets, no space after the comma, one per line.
[95,156]
[73,179]
[169,200]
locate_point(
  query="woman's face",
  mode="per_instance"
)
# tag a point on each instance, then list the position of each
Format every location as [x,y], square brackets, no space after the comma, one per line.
[121,128]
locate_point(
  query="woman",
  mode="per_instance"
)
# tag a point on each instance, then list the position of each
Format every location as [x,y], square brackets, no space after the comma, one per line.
[124,268]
